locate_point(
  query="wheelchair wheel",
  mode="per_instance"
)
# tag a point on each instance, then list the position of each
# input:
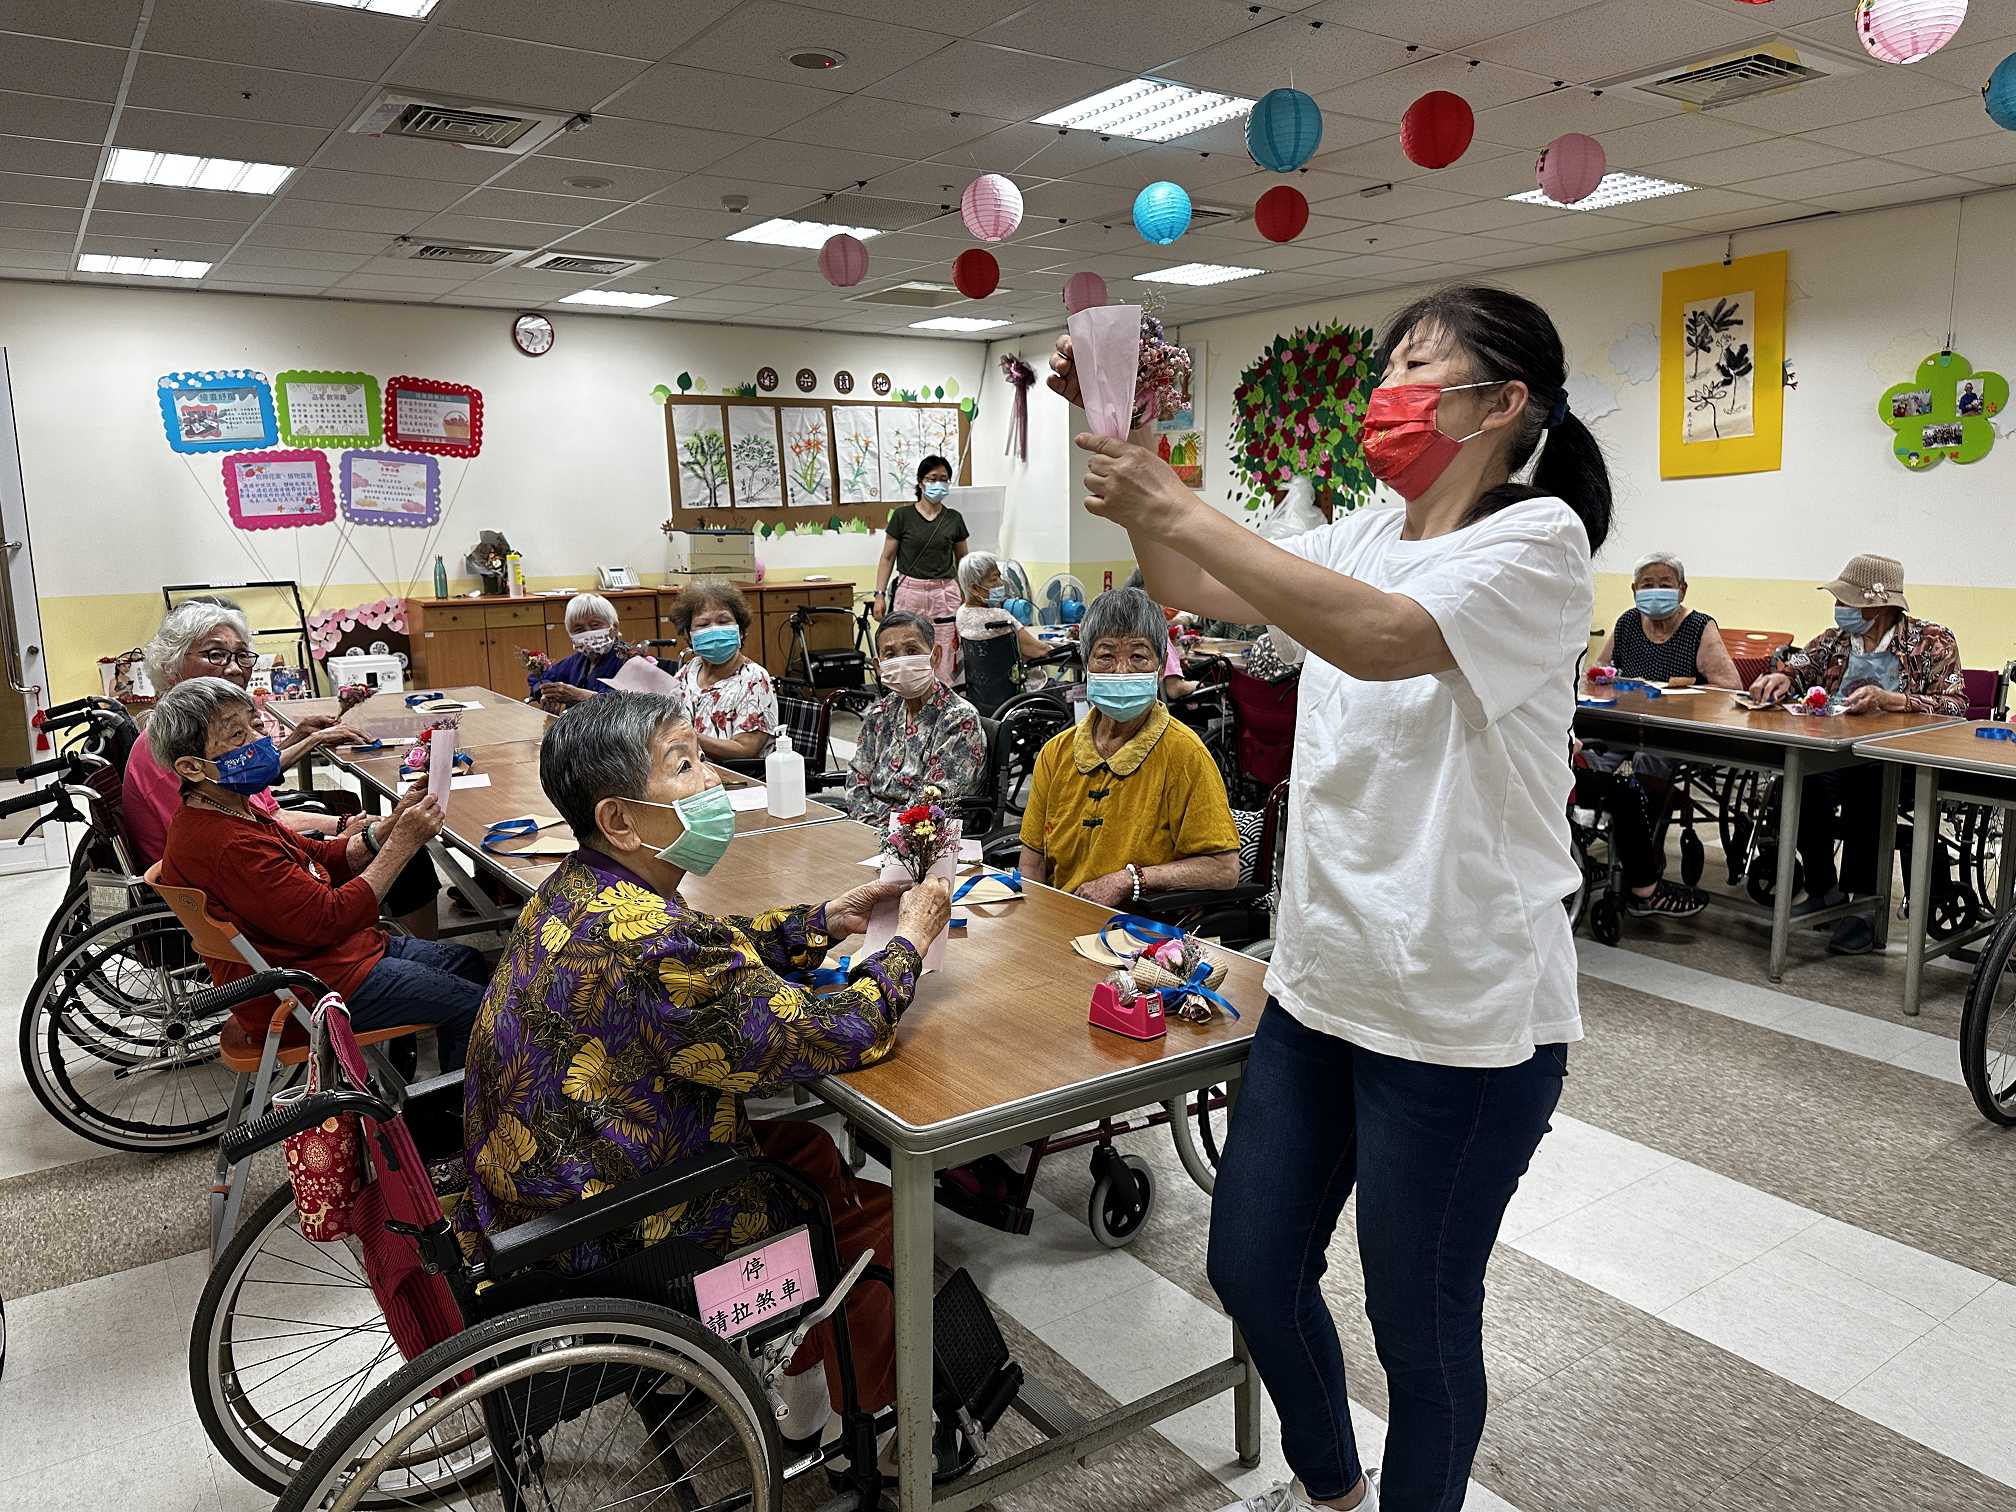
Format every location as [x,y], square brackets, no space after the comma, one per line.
[111,1046]
[1123,1195]
[1762,883]
[287,1336]
[1198,1130]
[561,1407]
[71,919]
[1693,858]
[1606,921]
[1988,1028]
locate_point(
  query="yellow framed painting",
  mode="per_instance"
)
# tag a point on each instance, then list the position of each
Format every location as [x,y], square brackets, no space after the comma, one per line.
[1721,368]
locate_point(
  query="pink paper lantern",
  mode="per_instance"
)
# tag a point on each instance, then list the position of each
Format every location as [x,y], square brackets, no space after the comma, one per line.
[1084,291]
[1903,31]
[1570,168]
[843,261]
[991,207]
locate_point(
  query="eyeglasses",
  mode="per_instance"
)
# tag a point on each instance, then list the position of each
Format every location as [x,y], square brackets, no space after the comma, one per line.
[243,660]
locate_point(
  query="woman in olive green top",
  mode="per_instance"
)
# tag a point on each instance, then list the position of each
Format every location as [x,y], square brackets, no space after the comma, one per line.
[923,542]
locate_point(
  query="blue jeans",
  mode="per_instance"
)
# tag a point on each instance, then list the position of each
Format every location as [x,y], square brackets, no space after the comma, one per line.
[1435,1152]
[424,982]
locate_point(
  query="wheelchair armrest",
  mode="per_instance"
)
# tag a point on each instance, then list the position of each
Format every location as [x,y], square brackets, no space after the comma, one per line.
[435,1090]
[298,801]
[1002,850]
[1165,905]
[825,782]
[620,1207]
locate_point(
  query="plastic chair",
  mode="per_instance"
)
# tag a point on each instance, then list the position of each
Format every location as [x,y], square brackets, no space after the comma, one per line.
[1756,645]
[254,1043]
[1984,691]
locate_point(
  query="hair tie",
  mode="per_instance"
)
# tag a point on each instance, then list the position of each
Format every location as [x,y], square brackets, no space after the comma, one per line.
[1560,411]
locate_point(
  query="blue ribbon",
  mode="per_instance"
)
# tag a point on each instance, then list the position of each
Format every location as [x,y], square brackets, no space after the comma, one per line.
[1194,987]
[828,976]
[1147,931]
[505,830]
[1012,879]
[1995,732]
[368,745]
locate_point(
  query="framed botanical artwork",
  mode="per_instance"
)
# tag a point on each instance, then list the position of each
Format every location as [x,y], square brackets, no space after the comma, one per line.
[699,436]
[1721,367]
[808,456]
[857,453]
[902,449]
[753,459]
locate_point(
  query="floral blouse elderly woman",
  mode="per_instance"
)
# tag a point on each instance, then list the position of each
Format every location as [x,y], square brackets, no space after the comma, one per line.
[919,734]
[732,701]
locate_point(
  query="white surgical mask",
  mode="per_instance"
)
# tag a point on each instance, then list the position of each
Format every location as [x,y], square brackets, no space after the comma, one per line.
[592,642]
[907,676]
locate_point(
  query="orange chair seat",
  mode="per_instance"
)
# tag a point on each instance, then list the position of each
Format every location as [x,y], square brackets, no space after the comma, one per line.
[239,1048]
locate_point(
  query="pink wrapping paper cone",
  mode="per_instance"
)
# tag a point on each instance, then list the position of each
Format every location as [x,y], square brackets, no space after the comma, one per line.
[1106,350]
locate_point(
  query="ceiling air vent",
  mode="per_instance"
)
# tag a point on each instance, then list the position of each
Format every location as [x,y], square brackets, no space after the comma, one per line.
[585,264]
[444,252]
[460,123]
[911,296]
[1709,83]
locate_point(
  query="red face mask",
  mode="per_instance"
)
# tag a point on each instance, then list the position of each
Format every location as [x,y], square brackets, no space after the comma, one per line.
[1403,443]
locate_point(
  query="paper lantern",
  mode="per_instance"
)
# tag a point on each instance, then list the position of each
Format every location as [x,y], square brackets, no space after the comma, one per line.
[843,261]
[991,207]
[1083,291]
[1162,212]
[1999,94]
[975,273]
[1570,168]
[1281,213]
[1903,31]
[1437,129]
[1282,130]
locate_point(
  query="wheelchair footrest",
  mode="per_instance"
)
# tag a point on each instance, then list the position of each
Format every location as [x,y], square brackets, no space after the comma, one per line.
[977,1381]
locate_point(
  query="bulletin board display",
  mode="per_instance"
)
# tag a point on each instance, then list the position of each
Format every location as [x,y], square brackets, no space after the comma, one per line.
[429,415]
[278,490]
[390,488]
[328,409]
[225,409]
[786,463]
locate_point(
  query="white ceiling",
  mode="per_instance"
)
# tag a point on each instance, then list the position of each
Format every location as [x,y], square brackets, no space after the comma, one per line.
[692,100]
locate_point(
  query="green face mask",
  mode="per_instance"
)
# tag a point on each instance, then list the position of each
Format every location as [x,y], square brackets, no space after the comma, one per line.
[709,824]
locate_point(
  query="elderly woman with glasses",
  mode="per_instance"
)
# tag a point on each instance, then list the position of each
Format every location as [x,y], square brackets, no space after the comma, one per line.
[210,638]
[625,1027]
[306,903]
[1128,802]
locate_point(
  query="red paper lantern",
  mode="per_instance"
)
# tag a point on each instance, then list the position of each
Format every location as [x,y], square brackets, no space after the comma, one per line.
[1437,129]
[1281,213]
[975,273]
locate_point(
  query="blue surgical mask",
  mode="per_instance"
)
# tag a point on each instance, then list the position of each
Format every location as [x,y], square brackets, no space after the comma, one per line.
[718,643]
[1123,696]
[997,596]
[708,824]
[1854,621]
[936,491]
[1657,603]
[251,768]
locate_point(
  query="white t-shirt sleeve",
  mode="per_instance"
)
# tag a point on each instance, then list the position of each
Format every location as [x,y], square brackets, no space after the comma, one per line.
[1513,605]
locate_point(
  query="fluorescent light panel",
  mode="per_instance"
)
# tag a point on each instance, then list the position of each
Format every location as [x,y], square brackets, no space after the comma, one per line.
[956,323]
[1615,189]
[414,8]
[177,170]
[618,299]
[1149,110]
[797,233]
[1197,275]
[143,267]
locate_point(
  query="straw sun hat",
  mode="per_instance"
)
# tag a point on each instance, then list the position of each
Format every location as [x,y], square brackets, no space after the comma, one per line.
[1870,582]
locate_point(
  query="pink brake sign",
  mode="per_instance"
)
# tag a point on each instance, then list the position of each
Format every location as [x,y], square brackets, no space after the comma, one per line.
[754,1287]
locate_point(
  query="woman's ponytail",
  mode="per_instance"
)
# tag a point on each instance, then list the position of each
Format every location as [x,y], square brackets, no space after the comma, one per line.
[1571,469]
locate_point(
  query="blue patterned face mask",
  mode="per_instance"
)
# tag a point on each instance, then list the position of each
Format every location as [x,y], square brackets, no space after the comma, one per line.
[251,768]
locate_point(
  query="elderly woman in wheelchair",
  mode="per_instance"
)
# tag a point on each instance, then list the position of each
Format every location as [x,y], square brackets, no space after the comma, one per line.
[918,734]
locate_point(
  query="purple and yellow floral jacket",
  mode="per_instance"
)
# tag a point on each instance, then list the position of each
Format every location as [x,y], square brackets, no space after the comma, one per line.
[1927,656]
[622,1032]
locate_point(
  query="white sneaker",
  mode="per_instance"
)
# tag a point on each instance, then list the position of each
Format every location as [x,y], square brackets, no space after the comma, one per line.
[1290,1496]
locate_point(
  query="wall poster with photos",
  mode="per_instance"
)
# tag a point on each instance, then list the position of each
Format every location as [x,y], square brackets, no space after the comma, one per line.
[814,461]
[1944,412]
[1721,361]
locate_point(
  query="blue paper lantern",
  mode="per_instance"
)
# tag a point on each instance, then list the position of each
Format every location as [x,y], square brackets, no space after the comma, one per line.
[1999,95]
[1162,212]
[1283,129]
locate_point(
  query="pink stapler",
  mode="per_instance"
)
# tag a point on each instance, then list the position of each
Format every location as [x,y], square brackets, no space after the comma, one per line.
[1138,1017]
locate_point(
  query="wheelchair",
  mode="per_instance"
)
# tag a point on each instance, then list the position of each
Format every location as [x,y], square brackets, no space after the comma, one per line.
[1598,901]
[520,1386]
[1988,1027]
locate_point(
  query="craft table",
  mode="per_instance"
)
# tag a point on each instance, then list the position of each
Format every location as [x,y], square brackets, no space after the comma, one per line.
[997,1053]
[1951,761]
[1708,728]
[504,716]
[1230,650]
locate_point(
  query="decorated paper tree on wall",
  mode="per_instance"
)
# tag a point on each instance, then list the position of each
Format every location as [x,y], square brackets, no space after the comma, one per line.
[704,459]
[1299,408]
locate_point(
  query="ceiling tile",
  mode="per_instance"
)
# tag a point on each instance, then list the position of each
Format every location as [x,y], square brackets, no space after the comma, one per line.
[1968,64]
[1401,202]
[480,67]
[380,283]
[1442,25]
[996,81]
[197,204]
[1833,178]
[1147,40]
[1965,156]
[866,124]
[1383,238]
[69,70]
[685,96]
[1043,150]
[349,152]
[546,175]
[40,262]
[1796,13]
[141,246]
[803,165]
[341,42]
[607,26]
[1487,215]
[646,144]
[1848,97]
[217,136]
[287,257]
[1690,206]
[40,217]
[53,159]
[59,120]
[1689,134]
[1734,165]
[1615,241]
[1066,199]
[1532,124]
[1201,175]
[220,89]
[19,240]
[683,222]
[604,242]
[551,210]
[314,238]
[1934,186]
[1387,96]
[1620,37]
[1259,60]
[163,227]
[292,211]
[1316,184]
[1382,161]
[1928,125]
[703,191]
[387,191]
[486,232]
[305,278]
[1489,177]
[930,183]
[107,21]
[756,38]
[1550,227]
[26,189]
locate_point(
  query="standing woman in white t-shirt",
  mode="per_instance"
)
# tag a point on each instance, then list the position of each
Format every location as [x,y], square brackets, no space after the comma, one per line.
[1423,990]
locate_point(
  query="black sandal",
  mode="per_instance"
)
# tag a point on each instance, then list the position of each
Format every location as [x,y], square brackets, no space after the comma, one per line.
[1666,901]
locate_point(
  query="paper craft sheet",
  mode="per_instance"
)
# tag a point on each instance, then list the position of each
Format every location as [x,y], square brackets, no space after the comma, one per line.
[1106,351]
[642,674]
[882,923]
[441,765]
